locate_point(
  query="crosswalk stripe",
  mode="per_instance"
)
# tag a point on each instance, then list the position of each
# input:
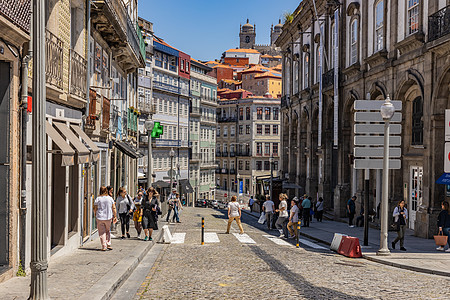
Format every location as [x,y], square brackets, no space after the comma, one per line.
[311,244]
[277,241]
[244,238]
[211,237]
[178,238]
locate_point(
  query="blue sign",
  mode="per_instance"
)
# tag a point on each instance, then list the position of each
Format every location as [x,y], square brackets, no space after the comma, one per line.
[241,186]
[444,179]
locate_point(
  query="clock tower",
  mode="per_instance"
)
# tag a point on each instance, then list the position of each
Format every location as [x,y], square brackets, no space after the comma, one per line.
[247,36]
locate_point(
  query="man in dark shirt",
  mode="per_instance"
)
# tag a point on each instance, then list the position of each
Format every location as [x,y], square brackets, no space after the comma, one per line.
[351,208]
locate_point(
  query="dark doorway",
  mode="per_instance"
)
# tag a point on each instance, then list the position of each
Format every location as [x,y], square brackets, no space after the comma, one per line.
[58,201]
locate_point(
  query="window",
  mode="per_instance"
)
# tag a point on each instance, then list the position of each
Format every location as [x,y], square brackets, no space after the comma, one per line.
[258,148]
[225,131]
[247,113]
[258,129]
[267,129]
[306,71]
[241,129]
[267,113]
[275,165]
[240,165]
[225,147]
[232,130]
[267,149]
[259,112]
[275,129]
[413,16]
[247,129]
[379,16]
[417,122]
[275,149]
[241,113]
[267,166]
[247,165]
[258,165]
[354,42]
[276,113]
[218,131]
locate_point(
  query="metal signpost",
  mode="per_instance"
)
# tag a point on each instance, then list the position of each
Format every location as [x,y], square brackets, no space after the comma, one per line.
[369,141]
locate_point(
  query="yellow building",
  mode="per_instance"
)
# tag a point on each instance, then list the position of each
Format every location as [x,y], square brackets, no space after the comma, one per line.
[271,82]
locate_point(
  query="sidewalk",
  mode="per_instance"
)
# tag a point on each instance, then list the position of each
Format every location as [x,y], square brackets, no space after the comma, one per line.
[421,255]
[88,272]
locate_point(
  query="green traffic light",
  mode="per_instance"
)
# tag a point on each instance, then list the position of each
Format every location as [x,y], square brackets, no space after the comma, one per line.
[157,130]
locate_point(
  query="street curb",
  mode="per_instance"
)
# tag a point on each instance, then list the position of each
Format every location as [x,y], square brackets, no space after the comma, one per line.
[110,282]
[377,260]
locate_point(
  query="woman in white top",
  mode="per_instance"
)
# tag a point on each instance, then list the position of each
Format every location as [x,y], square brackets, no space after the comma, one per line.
[282,214]
[234,213]
[293,218]
[125,207]
[105,213]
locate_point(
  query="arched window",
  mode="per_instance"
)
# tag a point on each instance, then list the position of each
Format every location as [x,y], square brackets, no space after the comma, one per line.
[417,122]
[354,42]
[379,25]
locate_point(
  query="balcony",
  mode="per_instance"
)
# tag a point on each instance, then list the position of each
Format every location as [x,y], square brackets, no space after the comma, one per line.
[206,119]
[244,153]
[227,119]
[225,154]
[78,73]
[328,78]
[218,170]
[194,157]
[218,154]
[18,12]
[232,154]
[439,24]
[224,171]
[171,143]
[54,60]
[165,87]
[232,171]
[112,21]
[195,111]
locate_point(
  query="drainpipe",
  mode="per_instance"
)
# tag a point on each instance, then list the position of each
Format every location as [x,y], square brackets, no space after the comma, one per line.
[24,119]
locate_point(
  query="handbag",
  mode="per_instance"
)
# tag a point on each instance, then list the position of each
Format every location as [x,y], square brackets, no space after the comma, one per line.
[262,218]
[440,239]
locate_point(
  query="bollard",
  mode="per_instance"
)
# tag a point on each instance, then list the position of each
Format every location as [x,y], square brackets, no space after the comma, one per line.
[298,233]
[203,231]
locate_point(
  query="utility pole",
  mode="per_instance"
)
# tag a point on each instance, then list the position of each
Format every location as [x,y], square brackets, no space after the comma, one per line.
[271,177]
[39,215]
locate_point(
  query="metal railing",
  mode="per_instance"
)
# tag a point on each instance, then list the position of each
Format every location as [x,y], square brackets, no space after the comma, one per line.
[226,119]
[165,86]
[439,24]
[171,143]
[54,59]
[232,154]
[328,78]
[225,154]
[195,156]
[244,153]
[224,171]
[195,110]
[232,171]
[18,12]
[78,72]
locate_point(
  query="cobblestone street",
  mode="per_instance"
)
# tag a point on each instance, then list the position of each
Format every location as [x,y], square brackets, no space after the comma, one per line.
[269,268]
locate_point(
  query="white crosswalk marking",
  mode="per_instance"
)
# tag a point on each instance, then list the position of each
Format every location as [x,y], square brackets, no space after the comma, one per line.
[244,238]
[178,238]
[310,244]
[277,240]
[211,237]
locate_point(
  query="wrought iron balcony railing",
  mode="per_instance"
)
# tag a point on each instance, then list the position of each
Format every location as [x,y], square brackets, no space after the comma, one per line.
[226,119]
[78,74]
[328,78]
[439,24]
[165,87]
[18,12]
[54,59]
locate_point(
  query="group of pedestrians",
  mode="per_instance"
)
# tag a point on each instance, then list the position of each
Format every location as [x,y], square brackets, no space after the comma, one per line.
[144,209]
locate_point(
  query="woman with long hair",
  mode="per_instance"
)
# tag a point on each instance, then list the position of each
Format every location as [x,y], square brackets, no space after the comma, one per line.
[444,224]
[105,213]
[400,217]
[149,213]
[125,207]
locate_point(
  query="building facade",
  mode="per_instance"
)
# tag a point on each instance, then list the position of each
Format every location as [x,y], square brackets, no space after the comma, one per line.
[397,48]
[202,131]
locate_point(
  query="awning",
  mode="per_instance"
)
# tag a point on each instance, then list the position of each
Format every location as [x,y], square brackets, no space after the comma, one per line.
[186,185]
[127,149]
[82,151]
[290,185]
[66,151]
[161,184]
[95,151]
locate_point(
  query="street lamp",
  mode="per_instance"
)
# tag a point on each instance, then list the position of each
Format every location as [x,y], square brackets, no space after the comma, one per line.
[387,112]
[171,154]
[149,127]
[271,177]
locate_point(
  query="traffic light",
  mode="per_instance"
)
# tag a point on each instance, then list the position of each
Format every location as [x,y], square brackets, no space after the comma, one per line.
[157,130]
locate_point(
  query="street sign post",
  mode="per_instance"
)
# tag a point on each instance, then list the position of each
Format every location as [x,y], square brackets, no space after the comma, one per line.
[447,125]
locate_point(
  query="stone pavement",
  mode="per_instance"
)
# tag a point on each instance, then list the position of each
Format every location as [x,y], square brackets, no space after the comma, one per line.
[88,272]
[421,254]
[236,268]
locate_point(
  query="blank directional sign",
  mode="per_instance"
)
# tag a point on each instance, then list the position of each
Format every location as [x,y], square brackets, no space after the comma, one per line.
[374,164]
[376,140]
[377,128]
[375,116]
[447,158]
[377,152]
[375,104]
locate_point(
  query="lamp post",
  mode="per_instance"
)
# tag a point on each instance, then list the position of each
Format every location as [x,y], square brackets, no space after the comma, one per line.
[149,127]
[271,177]
[387,112]
[171,154]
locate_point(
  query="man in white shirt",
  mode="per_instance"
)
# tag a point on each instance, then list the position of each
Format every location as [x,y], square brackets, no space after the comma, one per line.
[268,209]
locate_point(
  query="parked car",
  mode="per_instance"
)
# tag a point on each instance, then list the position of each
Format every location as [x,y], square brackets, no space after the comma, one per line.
[222,205]
[214,204]
[200,203]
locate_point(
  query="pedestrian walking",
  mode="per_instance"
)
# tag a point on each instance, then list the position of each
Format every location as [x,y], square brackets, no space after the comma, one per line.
[171,203]
[319,210]
[105,214]
[351,208]
[250,203]
[306,204]
[293,218]
[150,209]
[125,207]
[177,206]
[268,209]
[400,215]
[282,214]
[137,213]
[234,213]
[444,224]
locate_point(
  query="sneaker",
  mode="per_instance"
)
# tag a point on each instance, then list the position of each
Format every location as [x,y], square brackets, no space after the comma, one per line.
[122,237]
[281,236]
[146,238]
[440,248]
[403,248]
[150,239]
[448,250]
[393,245]
[128,235]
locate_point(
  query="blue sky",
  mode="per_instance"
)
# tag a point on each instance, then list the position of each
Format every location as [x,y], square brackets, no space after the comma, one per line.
[204,29]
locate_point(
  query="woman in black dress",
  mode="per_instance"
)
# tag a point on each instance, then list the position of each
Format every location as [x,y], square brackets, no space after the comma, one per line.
[150,207]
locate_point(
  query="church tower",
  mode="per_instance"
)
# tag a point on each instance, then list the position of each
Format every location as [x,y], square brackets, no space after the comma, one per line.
[275,32]
[247,36]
